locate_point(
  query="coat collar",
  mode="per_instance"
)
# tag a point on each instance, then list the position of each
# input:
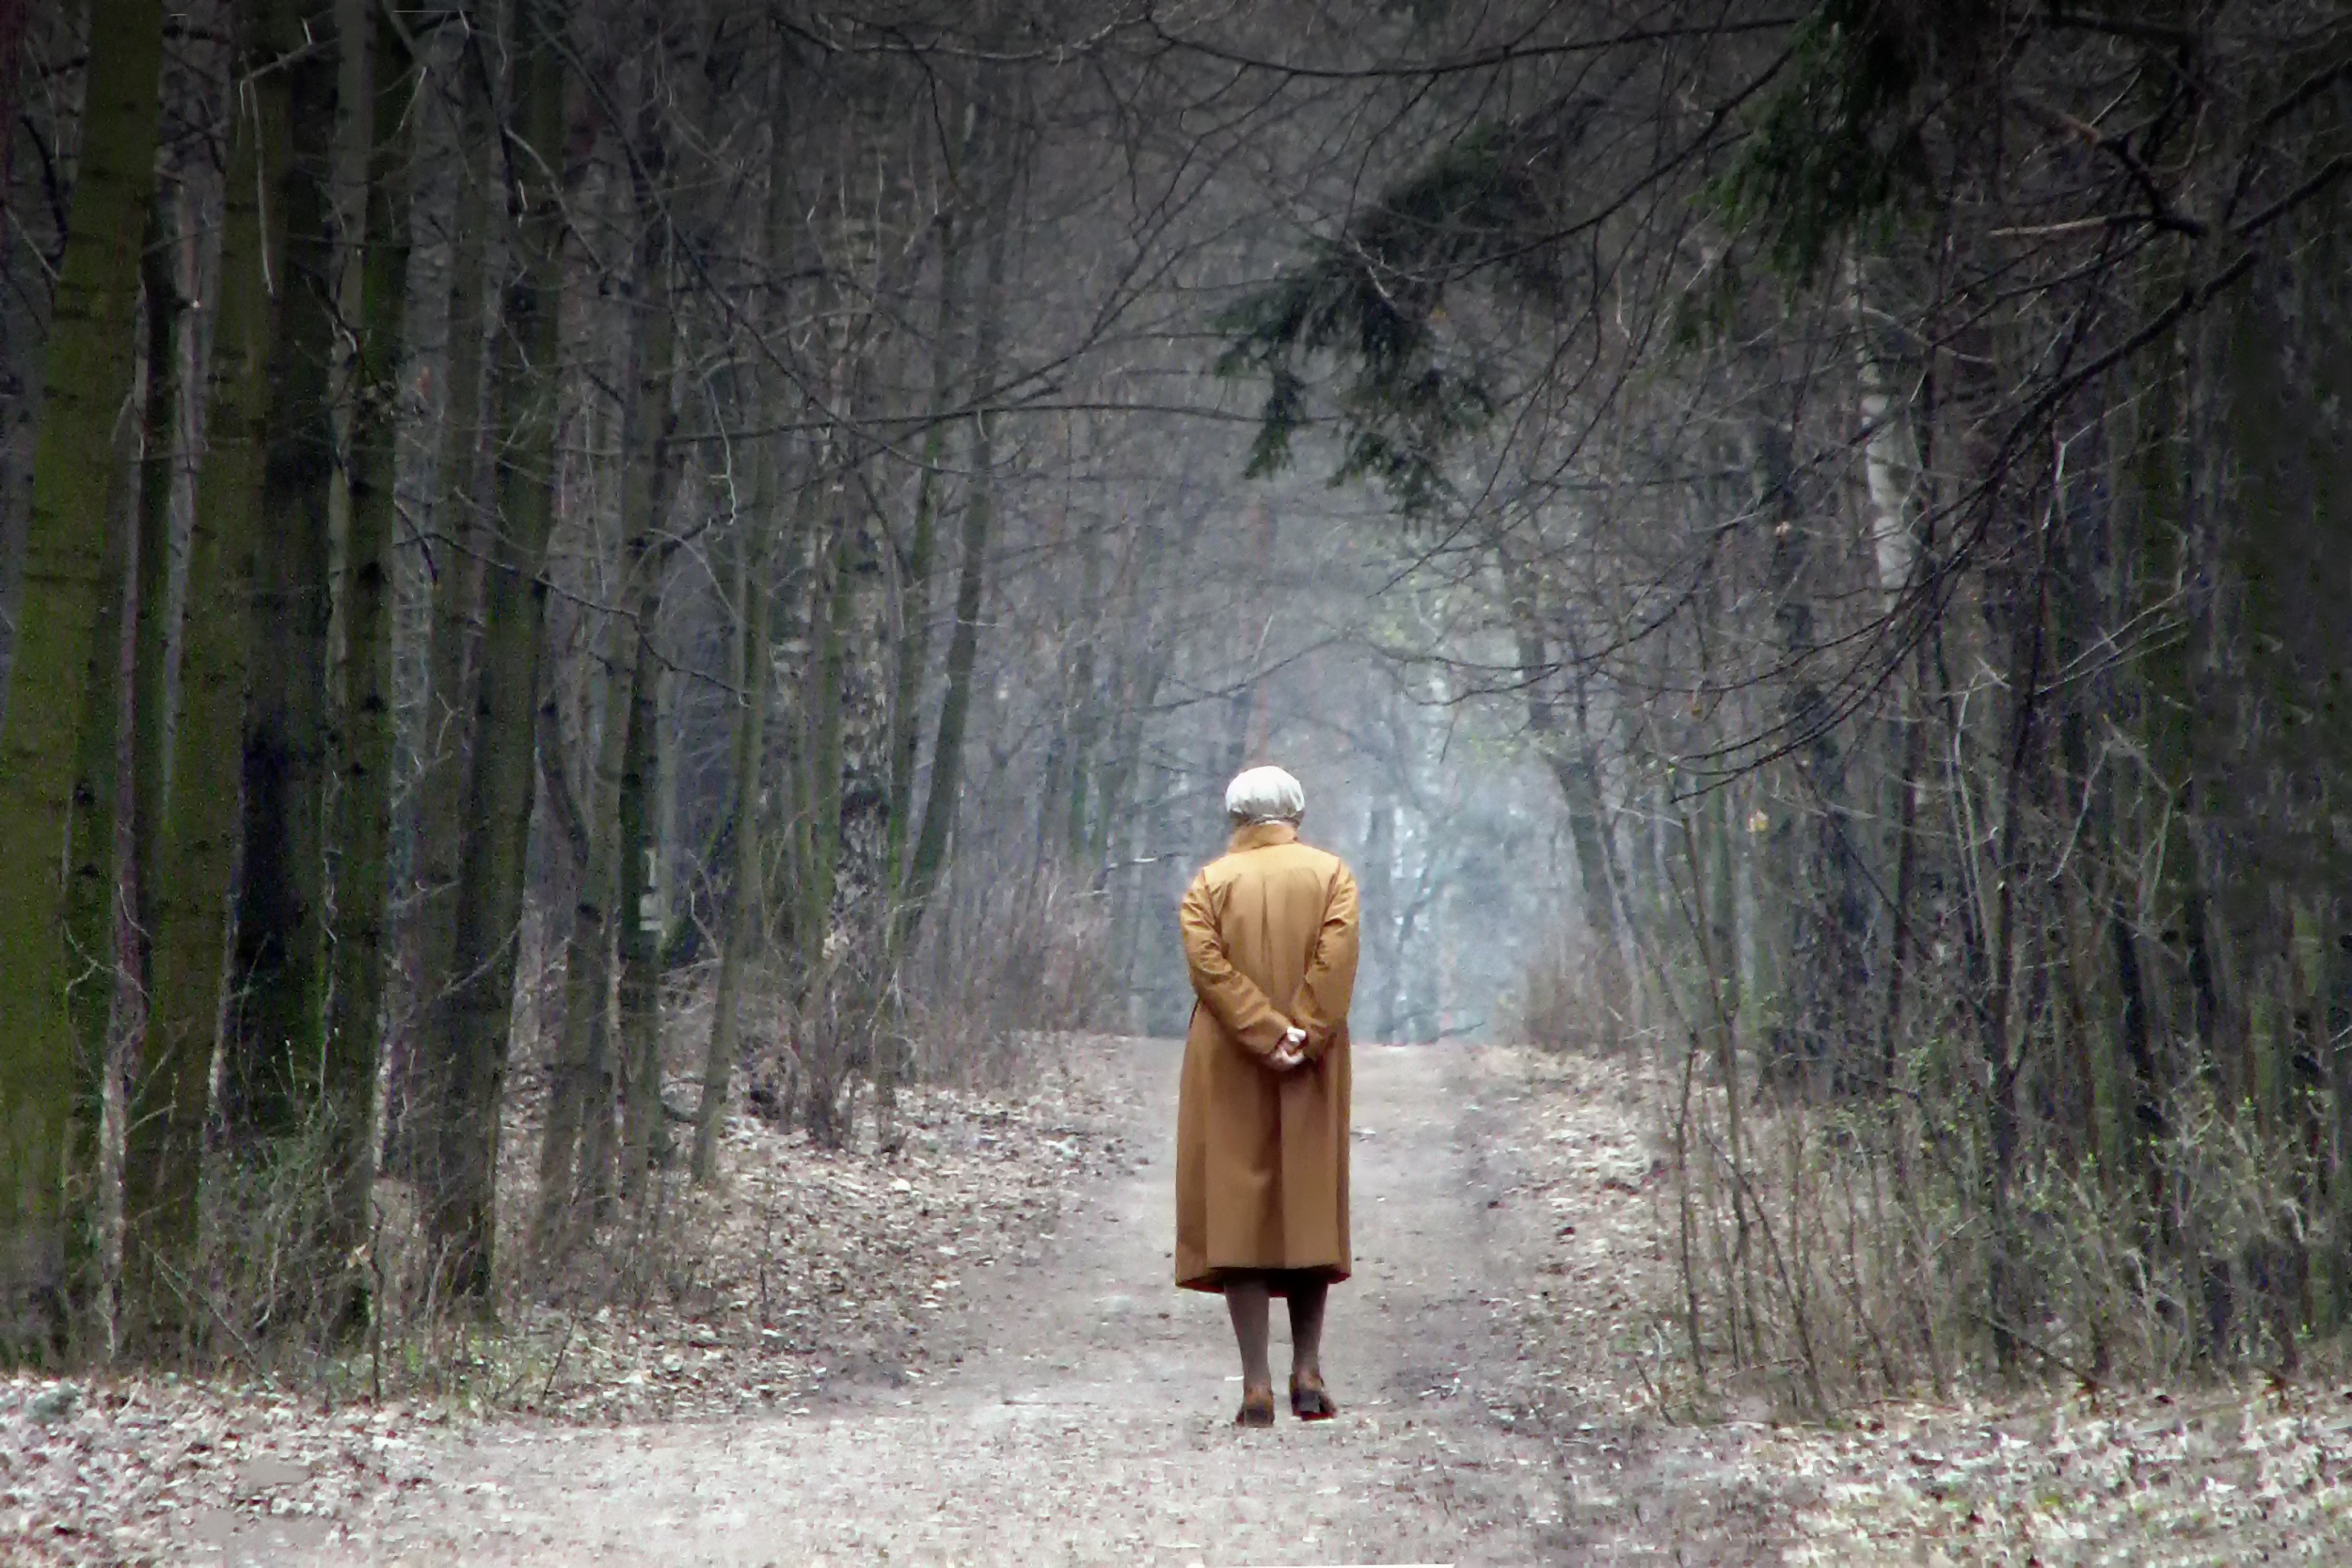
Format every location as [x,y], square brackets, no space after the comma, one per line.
[1261,835]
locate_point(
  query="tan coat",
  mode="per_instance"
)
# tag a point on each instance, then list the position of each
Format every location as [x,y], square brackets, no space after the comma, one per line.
[1261,1154]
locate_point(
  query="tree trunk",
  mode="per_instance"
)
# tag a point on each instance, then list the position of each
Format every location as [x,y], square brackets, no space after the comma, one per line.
[582,1094]
[1574,763]
[19,378]
[14,14]
[1812,844]
[156,631]
[197,859]
[858,920]
[645,1136]
[1082,704]
[2003,1039]
[1133,670]
[453,556]
[754,658]
[1380,919]
[568,1176]
[94,878]
[954,707]
[794,612]
[271,1074]
[743,893]
[363,803]
[156,628]
[466,1075]
[906,708]
[647,801]
[823,1045]
[91,348]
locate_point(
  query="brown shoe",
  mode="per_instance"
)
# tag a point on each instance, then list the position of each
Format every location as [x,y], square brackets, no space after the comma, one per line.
[1311,1402]
[1256,1409]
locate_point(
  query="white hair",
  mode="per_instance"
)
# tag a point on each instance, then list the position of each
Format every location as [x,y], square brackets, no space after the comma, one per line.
[1264,795]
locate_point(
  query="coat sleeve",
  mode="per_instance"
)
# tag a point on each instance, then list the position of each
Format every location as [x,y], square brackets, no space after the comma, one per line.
[1230,996]
[1321,1006]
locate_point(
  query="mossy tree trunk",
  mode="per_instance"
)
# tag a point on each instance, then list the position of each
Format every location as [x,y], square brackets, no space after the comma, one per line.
[94,880]
[91,352]
[364,805]
[195,858]
[19,376]
[156,629]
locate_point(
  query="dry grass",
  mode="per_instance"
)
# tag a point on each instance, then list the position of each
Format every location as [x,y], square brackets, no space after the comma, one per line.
[2198,1466]
[1835,1248]
[1572,997]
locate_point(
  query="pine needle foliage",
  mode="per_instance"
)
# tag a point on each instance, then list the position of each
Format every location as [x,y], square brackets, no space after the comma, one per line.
[1481,213]
[1839,148]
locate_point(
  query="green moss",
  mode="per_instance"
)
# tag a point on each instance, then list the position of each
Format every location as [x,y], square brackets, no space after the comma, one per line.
[91,357]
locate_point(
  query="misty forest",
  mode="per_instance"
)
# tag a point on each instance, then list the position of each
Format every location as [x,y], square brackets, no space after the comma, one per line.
[598,591]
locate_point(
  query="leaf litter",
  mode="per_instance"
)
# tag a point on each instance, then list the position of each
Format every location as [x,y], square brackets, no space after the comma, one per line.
[2227,1471]
[805,1267]
[812,1267]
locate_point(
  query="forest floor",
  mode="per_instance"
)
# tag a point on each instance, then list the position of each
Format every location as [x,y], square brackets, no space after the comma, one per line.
[987,1363]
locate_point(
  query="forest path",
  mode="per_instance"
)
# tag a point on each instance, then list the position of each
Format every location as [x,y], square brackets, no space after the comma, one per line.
[1088,1420]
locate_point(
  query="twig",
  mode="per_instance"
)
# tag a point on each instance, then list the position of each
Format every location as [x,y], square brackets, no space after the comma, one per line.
[1657,1398]
[556,1366]
[181,1288]
[2053,1357]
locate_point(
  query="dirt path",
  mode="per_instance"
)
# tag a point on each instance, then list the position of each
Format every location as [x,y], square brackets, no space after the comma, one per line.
[1494,1354]
[1087,1420]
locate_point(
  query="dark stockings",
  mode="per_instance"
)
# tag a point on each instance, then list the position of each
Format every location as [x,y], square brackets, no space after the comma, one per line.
[1246,1299]
[1245,1303]
[1306,1301]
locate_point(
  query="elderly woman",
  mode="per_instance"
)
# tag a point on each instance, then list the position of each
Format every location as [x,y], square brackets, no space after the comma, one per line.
[1262,1125]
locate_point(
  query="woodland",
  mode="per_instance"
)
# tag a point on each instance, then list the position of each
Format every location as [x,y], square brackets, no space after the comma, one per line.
[572,569]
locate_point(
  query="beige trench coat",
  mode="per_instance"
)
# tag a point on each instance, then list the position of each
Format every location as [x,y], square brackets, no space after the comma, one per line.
[1261,1154]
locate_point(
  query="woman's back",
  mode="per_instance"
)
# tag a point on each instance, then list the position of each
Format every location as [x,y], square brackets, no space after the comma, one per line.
[1269,903]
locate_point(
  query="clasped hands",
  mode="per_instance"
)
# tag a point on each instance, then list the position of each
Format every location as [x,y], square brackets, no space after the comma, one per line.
[1292,1052]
